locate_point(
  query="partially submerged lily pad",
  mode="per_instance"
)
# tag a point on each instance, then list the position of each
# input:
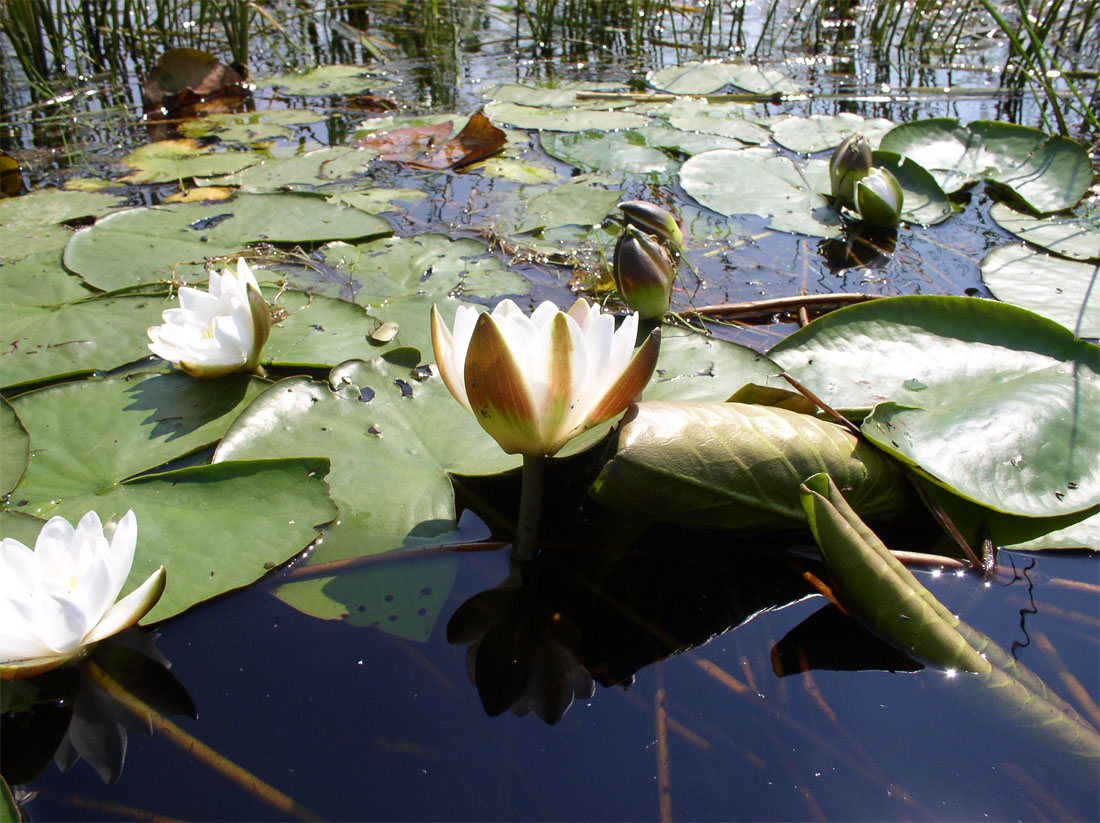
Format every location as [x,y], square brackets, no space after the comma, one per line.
[565,119]
[1066,291]
[152,245]
[712,76]
[1071,237]
[759,181]
[995,403]
[626,152]
[1046,173]
[819,132]
[326,80]
[170,160]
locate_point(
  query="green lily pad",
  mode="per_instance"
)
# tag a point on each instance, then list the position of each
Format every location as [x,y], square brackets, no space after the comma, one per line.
[693,366]
[579,202]
[712,76]
[997,404]
[721,119]
[875,587]
[626,152]
[29,223]
[91,438]
[736,466]
[328,80]
[39,280]
[302,171]
[759,181]
[1071,237]
[147,245]
[1066,291]
[381,426]
[319,332]
[925,202]
[1046,173]
[560,96]
[686,142]
[819,132]
[379,199]
[563,119]
[16,451]
[167,161]
[251,126]
[53,342]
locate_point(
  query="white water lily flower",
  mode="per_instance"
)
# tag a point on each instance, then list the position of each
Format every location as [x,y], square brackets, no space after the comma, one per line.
[536,382]
[216,332]
[60,598]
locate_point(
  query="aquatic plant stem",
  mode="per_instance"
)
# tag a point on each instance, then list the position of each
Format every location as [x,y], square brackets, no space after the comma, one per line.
[530,506]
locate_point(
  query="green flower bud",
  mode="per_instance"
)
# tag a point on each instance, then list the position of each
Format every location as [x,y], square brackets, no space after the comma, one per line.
[879,199]
[643,272]
[850,163]
[652,219]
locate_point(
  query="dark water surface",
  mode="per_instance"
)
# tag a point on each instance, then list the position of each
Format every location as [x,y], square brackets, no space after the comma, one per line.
[687,719]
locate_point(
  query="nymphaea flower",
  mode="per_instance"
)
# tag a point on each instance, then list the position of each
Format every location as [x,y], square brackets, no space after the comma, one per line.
[58,599]
[216,332]
[850,163]
[879,199]
[536,382]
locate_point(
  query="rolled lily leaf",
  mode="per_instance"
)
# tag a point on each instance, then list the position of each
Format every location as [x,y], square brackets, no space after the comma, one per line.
[877,589]
[736,466]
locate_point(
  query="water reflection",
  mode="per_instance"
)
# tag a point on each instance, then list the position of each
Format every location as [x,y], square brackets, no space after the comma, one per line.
[577,616]
[85,711]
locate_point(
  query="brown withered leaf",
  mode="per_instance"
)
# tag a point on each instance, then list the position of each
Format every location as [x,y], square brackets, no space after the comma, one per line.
[478,140]
[183,76]
[406,143]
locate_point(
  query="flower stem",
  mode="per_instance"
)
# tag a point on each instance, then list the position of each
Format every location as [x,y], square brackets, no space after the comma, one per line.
[530,507]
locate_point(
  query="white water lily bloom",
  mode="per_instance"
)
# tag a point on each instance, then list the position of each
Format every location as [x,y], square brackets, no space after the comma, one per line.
[60,598]
[215,332]
[536,382]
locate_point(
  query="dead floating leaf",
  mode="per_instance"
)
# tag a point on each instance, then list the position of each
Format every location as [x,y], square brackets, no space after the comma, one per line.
[411,145]
[184,77]
[11,178]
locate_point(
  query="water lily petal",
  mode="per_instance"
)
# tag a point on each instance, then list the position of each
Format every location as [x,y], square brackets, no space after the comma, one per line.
[497,391]
[130,609]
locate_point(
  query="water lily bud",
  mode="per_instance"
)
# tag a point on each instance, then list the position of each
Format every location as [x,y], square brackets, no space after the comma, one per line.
[216,332]
[850,163]
[879,199]
[534,383]
[643,272]
[652,219]
[59,599]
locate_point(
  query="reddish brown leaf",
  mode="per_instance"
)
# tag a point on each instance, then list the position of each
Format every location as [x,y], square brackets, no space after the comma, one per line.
[407,143]
[478,140]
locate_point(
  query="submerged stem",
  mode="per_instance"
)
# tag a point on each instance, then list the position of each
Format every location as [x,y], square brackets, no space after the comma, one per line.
[530,506]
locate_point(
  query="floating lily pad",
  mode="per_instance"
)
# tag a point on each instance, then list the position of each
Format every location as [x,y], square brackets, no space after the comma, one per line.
[379,199]
[819,132]
[90,439]
[564,119]
[722,119]
[1066,291]
[302,171]
[29,223]
[320,332]
[626,152]
[694,366]
[16,451]
[759,181]
[326,80]
[925,202]
[995,403]
[1046,173]
[148,245]
[560,96]
[523,172]
[251,126]
[1068,236]
[167,161]
[578,202]
[712,76]
[381,426]
[686,142]
[43,342]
